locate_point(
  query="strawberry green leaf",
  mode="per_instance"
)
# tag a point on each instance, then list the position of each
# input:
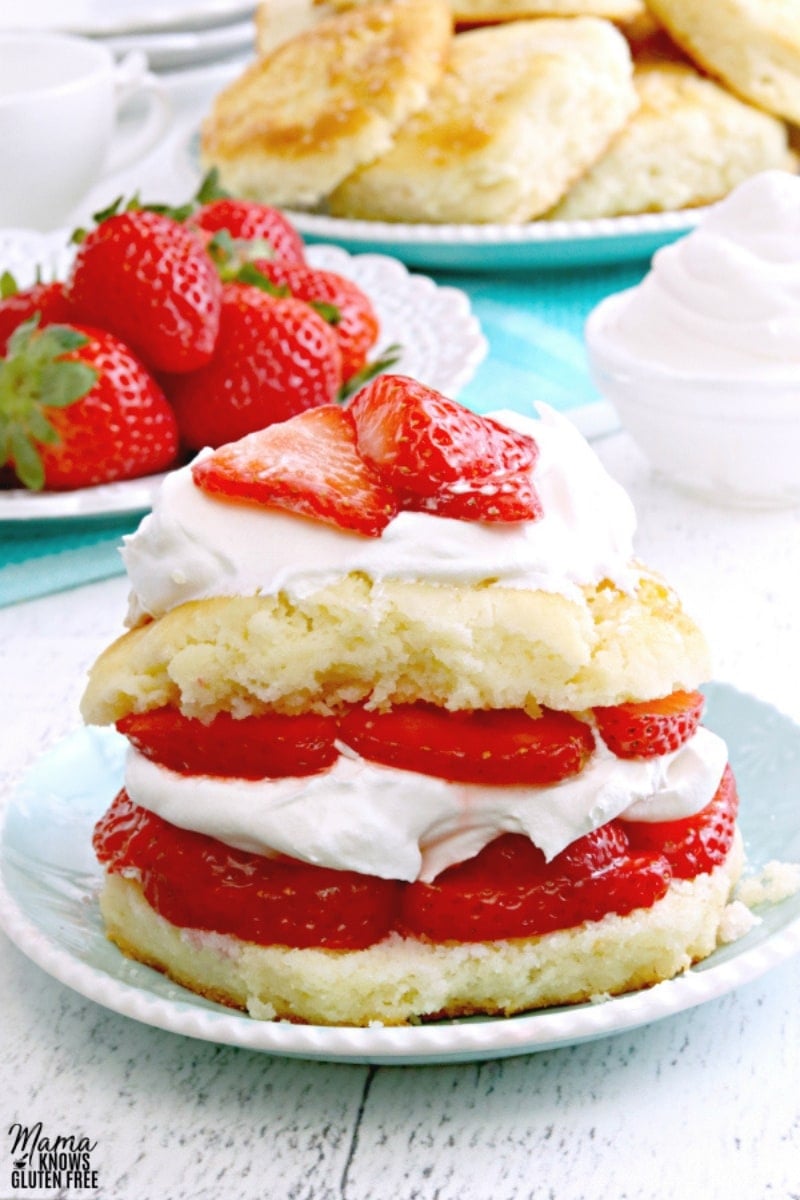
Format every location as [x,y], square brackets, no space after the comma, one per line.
[390,356]
[8,285]
[329,312]
[27,463]
[62,383]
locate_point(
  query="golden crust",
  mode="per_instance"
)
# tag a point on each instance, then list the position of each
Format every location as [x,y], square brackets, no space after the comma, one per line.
[402,979]
[754,47]
[690,143]
[458,647]
[522,110]
[301,118]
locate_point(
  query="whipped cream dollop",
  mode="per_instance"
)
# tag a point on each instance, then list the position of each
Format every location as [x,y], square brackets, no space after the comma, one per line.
[726,297]
[194,546]
[377,820]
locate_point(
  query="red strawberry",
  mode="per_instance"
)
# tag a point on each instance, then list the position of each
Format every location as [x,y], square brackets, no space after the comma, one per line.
[18,306]
[308,465]
[339,300]
[650,728]
[272,234]
[200,883]
[77,408]
[270,745]
[509,890]
[696,844]
[148,279]
[273,359]
[503,746]
[442,457]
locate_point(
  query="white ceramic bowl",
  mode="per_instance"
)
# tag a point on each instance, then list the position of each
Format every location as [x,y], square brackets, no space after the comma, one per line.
[729,439]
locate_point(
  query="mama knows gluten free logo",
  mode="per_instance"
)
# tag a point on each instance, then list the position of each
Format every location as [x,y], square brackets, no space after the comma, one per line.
[40,1162]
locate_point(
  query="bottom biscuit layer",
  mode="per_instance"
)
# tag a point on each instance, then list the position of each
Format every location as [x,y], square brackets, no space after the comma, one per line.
[401,979]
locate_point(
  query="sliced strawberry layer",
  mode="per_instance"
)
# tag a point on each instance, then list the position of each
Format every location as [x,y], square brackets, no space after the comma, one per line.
[696,844]
[308,465]
[650,728]
[197,882]
[506,891]
[500,746]
[258,747]
[509,890]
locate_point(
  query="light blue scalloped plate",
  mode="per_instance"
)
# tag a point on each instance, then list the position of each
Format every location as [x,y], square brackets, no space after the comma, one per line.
[49,880]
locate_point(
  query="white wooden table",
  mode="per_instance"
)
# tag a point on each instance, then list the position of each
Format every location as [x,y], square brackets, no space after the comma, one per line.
[701,1104]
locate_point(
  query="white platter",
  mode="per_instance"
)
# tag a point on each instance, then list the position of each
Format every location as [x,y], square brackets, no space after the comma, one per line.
[49,880]
[442,345]
[178,49]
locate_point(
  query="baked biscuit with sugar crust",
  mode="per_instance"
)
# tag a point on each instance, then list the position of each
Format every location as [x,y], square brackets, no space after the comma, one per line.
[299,120]
[521,112]
[690,143]
[753,46]
[487,12]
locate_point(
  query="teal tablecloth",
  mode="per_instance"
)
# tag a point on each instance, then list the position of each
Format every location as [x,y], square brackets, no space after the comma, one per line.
[533,321]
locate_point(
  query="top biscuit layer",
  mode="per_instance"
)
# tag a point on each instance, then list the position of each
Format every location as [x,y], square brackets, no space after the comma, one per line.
[302,118]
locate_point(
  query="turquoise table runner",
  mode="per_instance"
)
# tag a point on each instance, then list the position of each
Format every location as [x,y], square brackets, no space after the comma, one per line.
[533,321]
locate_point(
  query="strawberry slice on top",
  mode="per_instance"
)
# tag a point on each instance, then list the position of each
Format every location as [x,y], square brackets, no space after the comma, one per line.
[442,457]
[308,465]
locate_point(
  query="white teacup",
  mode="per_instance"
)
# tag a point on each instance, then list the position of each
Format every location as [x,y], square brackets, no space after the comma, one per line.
[60,130]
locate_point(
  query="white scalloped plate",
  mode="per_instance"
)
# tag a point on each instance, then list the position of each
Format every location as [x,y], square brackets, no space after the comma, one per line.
[441,339]
[49,880]
[102,17]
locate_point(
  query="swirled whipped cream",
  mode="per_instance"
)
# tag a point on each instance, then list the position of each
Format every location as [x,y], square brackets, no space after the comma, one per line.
[194,546]
[360,816]
[726,297]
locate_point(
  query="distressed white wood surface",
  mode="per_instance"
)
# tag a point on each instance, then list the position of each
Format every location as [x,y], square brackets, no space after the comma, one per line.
[705,1103]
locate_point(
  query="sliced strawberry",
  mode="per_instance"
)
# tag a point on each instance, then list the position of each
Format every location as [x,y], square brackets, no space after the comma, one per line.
[420,439]
[502,746]
[441,456]
[267,233]
[696,844]
[199,883]
[509,890]
[650,728]
[273,358]
[271,745]
[308,465]
[148,279]
[18,306]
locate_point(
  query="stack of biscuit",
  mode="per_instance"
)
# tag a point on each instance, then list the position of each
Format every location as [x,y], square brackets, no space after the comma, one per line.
[507,111]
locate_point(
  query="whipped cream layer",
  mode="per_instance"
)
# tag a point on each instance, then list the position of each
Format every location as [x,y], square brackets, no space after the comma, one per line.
[194,546]
[726,297]
[377,820]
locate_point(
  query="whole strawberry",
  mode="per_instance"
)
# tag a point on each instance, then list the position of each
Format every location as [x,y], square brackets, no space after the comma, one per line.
[272,235]
[275,357]
[77,409]
[18,305]
[341,301]
[148,279]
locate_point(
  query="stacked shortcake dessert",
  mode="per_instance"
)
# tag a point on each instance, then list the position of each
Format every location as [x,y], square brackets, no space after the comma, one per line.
[412,733]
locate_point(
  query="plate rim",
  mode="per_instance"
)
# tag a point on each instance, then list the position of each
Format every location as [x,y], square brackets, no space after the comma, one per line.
[459,1040]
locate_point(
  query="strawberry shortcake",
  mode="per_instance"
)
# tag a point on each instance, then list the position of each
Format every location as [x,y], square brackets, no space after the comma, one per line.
[412,733]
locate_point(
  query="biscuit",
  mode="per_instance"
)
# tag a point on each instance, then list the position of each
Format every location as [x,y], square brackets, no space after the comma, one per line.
[752,47]
[402,978]
[689,143]
[302,118]
[521,112]
[397,642]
